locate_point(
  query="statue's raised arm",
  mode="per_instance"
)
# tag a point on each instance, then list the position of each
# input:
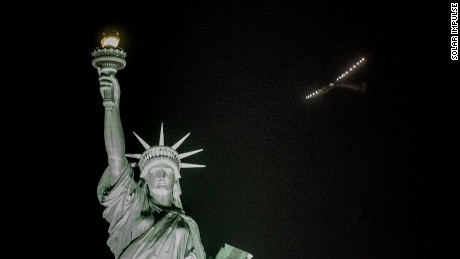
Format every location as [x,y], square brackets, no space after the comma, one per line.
[113,131]
[145,213]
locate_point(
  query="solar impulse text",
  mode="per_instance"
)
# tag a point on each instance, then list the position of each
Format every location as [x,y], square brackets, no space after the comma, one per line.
[454,31]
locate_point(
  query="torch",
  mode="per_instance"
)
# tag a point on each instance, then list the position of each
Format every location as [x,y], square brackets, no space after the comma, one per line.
[108,59]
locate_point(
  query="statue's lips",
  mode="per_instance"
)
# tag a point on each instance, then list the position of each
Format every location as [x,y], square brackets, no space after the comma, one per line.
[161,182]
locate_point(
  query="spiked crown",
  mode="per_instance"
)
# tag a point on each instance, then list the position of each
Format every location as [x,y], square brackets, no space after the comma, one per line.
[162,154]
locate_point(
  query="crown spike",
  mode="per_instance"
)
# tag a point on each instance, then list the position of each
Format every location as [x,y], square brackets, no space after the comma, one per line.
[162,137]
[178,143]
[146,146]
[138,156]
[187,165]
[186,154]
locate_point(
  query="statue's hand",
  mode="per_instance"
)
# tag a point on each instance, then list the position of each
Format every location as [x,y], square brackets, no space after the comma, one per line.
[191,255]
[110,88]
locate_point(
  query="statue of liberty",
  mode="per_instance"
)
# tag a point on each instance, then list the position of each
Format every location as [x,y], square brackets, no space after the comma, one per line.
[146,217]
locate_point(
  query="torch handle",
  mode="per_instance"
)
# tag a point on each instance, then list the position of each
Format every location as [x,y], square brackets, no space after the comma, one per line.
[106,90]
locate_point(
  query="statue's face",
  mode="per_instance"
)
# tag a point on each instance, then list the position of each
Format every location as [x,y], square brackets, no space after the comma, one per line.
[160,178]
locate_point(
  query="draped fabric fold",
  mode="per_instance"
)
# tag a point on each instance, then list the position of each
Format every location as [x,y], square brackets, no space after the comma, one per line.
[139,229]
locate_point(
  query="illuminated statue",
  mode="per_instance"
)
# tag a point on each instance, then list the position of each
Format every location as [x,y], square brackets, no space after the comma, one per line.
[146,217]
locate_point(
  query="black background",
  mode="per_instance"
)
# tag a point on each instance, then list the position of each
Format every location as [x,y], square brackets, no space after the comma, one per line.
[346,174]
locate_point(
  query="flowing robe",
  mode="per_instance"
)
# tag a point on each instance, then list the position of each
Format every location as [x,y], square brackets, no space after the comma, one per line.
[141,229]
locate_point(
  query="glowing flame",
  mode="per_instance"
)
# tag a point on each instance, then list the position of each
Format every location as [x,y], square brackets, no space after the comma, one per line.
[110,40]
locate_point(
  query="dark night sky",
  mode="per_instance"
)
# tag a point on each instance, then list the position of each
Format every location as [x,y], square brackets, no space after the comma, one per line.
[344,175]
